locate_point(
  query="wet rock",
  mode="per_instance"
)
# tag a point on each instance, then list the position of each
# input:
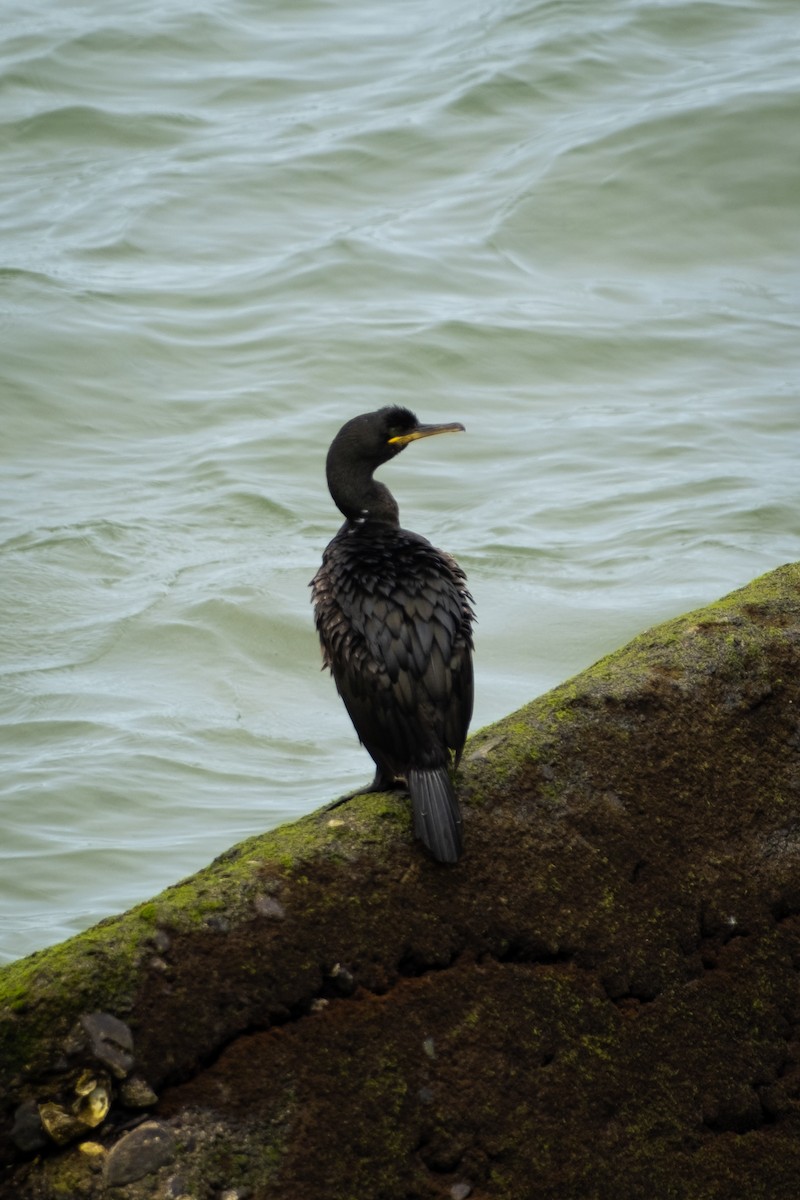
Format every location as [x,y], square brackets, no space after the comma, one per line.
[61,1125]
[105,1038]
[141,1152]
[137,1093]
[93,1099]
[28,1133]
[602,994]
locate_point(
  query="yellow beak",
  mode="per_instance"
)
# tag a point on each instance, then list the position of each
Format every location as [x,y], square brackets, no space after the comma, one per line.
[422,431]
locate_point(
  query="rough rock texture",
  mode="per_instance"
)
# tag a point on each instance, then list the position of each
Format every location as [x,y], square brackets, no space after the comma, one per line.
[600,1000]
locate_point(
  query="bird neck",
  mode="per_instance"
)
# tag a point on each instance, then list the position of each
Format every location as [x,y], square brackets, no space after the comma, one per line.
[361,498]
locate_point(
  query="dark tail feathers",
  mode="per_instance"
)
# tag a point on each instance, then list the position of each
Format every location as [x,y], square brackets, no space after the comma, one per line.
[437,817]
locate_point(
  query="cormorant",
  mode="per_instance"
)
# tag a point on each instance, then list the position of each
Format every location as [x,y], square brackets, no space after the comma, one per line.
[395,623]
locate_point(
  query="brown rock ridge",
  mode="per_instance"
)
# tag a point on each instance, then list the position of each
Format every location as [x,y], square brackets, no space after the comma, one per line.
[600,1000]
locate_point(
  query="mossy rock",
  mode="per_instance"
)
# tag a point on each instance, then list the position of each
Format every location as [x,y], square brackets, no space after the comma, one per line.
[599,1000]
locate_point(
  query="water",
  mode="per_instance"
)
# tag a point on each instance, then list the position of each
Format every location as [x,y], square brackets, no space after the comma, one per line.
[225,229]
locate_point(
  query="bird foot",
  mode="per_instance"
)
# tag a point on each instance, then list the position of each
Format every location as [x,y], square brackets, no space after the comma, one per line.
[381,783]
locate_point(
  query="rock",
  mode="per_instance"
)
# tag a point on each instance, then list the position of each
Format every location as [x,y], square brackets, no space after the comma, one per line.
[92,1150]
[105,1038]
[61,1125]
[599,999]
[141,1152]
[27,1132]
[93,1098]
[94,1153]
[137,1093]
[77,1109]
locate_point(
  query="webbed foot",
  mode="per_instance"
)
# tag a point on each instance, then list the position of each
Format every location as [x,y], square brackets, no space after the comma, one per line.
[381,783]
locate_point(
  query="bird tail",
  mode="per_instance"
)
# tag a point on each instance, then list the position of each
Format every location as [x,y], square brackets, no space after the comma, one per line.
[437,817]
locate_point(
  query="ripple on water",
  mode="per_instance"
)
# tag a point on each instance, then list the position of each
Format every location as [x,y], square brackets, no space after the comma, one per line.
[570,227]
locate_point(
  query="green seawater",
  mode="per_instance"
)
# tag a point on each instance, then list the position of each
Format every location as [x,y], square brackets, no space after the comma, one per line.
[224,230]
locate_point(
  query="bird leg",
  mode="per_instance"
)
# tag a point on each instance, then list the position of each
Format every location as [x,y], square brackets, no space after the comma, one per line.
[381,783]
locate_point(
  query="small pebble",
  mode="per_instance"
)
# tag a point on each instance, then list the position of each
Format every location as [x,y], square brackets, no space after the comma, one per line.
[138,1153]
[92,1149]
[95,1155]
[137,1093]
[460,1191]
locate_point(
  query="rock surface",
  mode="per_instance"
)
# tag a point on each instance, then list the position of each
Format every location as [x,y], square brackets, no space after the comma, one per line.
[600,1000]
[141,1151]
